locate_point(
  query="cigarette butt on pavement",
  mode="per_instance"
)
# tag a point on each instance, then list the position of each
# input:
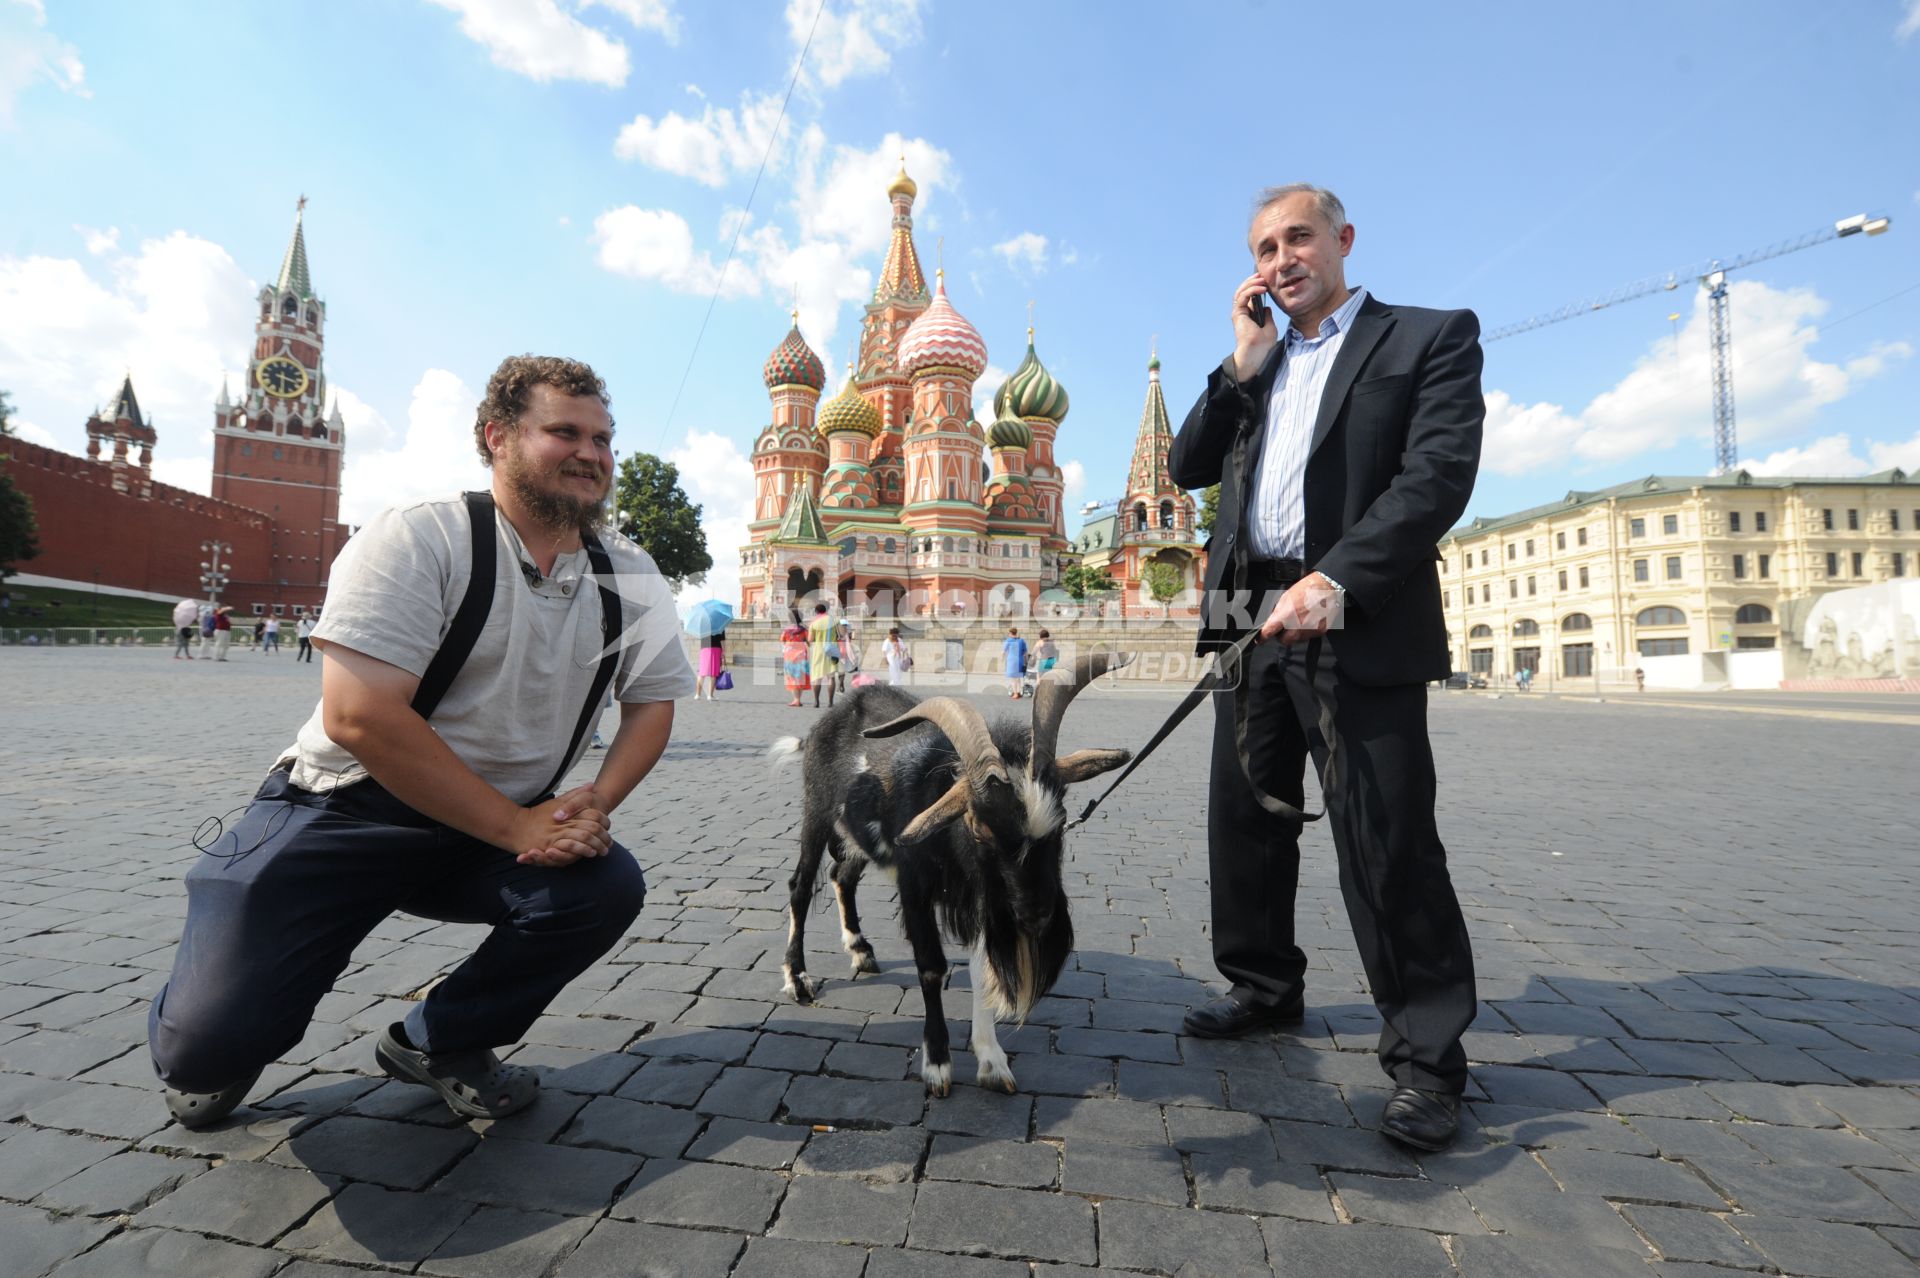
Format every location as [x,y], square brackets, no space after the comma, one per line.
[822,1127]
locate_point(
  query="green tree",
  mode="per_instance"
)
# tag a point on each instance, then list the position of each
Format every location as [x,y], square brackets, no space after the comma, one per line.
[651,508]
[1080,581]
[17,542]
[1209,510]
[1164,582]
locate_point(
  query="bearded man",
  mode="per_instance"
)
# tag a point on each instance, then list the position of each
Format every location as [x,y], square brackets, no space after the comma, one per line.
[467,642]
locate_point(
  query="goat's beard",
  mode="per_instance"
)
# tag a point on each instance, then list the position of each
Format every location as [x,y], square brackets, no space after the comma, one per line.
[1021,967]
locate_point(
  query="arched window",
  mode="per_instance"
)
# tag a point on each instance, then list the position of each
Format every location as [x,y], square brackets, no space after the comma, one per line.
[889,545]
[1140,516]
[1576,621]
[1480,632]
[1166,514]
[1660,616]
[1525,627]
[946,544]
[873,545]
[291,306]
[1753,615]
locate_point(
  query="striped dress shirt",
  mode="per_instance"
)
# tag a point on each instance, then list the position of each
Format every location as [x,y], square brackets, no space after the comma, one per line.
[1277,516]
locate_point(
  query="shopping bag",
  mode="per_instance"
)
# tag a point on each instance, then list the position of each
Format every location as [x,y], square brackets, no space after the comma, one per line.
[723,682]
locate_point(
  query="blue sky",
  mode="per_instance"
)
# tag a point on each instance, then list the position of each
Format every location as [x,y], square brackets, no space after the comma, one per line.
[494,176]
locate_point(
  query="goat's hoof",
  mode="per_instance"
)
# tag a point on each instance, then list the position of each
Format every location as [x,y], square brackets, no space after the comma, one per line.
[864,964]
[801,988]
[998,1077]
[939,1078]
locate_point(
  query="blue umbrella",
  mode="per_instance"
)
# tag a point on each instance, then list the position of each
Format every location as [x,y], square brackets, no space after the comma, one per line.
[707,617]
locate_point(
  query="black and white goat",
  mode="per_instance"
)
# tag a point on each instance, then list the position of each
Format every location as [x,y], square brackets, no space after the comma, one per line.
[968,817]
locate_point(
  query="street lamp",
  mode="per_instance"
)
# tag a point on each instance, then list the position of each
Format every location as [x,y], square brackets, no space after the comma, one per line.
[214,573]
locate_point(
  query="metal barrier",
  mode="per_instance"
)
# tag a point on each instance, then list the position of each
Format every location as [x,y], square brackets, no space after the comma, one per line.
[87,636]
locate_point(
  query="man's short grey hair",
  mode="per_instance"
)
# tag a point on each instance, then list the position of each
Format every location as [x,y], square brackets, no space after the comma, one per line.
[1329,205]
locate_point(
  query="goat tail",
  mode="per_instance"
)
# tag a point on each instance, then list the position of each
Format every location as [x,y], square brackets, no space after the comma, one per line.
[783,753]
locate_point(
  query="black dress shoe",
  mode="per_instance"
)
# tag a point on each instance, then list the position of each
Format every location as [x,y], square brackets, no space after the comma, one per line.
[1424,1120]
[1232,1016]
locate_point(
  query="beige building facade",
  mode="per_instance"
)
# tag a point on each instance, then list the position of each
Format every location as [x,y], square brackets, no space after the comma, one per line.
[1589,586]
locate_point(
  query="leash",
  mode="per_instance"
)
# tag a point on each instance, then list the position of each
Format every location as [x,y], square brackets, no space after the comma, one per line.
[1228,667]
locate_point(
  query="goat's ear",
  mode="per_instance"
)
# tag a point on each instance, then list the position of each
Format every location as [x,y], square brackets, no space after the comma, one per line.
[1084,765]
[944,811]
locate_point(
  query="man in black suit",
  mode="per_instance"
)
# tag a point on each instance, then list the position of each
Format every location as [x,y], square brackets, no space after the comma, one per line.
[1344,438]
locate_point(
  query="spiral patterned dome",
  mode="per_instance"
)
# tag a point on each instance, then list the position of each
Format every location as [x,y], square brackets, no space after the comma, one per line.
[1031,391]
[942,337]
[849,410]
[1009,432]
[793,363]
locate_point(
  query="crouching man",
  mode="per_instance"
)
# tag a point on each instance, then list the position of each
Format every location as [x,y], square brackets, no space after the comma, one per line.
[461,674]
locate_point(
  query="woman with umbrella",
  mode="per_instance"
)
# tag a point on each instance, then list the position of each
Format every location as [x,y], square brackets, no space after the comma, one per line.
[707,622]
[793,656]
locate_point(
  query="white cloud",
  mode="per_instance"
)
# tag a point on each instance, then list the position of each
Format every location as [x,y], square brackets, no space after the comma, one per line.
[1073,476]
[1779,389]
[717,475]
[1910,23]
[30,54]
[645,15]
[657,244]
[707,149]
[33,434]
[1025,253]
[840,191]
[851,39]
[985,387]
[1828,455]
[97,241]
[539,40]
[434,459]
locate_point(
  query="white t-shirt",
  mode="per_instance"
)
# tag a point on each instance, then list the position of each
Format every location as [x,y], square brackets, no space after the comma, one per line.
[511,710]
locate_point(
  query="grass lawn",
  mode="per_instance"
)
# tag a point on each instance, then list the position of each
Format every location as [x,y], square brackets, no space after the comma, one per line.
[60,607]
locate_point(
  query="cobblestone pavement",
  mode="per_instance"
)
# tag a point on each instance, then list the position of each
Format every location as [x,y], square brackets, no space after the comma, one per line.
[1699,1047]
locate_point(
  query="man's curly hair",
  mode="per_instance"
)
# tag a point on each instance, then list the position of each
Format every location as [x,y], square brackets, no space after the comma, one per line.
[512,384]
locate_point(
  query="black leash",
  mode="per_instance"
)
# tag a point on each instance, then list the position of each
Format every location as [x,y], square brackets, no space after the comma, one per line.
[1227,667]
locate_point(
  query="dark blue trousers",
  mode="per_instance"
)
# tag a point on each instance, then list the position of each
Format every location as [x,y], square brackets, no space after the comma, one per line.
[276,907]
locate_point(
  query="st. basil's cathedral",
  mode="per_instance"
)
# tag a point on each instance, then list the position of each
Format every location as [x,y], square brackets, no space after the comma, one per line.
[883,499]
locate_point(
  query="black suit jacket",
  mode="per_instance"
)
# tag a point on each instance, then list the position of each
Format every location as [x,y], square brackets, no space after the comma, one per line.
[1395,449]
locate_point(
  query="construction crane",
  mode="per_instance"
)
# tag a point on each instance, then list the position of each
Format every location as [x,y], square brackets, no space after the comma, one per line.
[1712,274]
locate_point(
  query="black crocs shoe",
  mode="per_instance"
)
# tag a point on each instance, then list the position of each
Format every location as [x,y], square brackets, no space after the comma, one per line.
[474,1084]
[195,1110]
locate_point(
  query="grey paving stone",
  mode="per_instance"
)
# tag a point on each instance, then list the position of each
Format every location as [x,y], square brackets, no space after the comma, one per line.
[1630,1178]
[1346,1148]
[249,1135]
[1277,1096]
[1572,1216]
[370,1225]
[398,1155]
[981,1160]
[35,1161]
[1218,1131]
[1011,1223]
[120,1113]
[790,1052]
[671,1082]
[555,1178]
[744,1092]
[608,1122]
[1768,1103]
[979,1111]
[701,1196]
[250,1202]
[168,1251]
[869,1060]
[1164,1239]
[1822,1193]
[786,1258]
[846,1102]
[1559,1129]
[18,1092]
[1695,1235]
[119,1185]
[734,1140]
[909,1263]
[571,1069]
[1046,1074]
[1266,1187]
[1170,1084]
[1822,1145]
[1302,1250]
[888,1156]
[500,1242]
[37,1241]
[1110,1122]
[617,1249]
[838,1210]
[1820,1249]
[1120,1045]
[1417,1204]
[697,1042]
[1510,1257]
[1153,1175]
[57,1053]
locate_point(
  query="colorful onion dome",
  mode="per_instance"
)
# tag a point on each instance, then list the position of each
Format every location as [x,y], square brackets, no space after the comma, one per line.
[1031,391]
[903,185]
[849,410]
[1009,432]
[793,363]
[942,337]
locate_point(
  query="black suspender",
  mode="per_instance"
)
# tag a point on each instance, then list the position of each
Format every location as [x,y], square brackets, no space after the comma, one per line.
[471,618]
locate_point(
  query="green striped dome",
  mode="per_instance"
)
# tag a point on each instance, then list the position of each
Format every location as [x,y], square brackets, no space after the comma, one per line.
[1031,391]
[1009,432]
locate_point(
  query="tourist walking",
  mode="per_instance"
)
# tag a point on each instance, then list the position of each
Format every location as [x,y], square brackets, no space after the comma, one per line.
[1014,649]
[795,666]
[270,640]
[899,660]
[435,792]
[1046,654]
[222,631]
[303,631]
[186,620]
[823,653]
[713,660]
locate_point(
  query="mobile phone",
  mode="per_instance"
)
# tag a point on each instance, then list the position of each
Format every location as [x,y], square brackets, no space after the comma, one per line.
[1257,310]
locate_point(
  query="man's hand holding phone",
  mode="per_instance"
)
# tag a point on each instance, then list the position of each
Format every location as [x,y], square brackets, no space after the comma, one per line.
[1254,329]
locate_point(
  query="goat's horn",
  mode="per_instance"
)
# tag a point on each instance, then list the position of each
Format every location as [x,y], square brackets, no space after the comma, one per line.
[963,724]
[1056,690]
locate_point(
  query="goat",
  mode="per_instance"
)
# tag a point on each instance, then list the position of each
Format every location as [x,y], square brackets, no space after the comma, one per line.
[969,820]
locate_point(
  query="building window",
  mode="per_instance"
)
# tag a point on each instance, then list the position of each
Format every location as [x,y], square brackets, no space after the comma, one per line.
[1530,589]
[1759,521]
[1670,524]
[1747,643]
[1512,551]
[1446,599]
[1853,521]
[1897,564]
[1480,660]
[1673,567]
[1660,615]
[279,610]
[1752,615]
[1483,556]
[1739,567]
[1559,541]
[259,610]
[1513,587]
[1662,647]
[1826,519]
[1529,547]
[1859,563]
[278,453]
[1766,566]
[1576,660]
[1583,579]
[1833,564]
[1486,592]
[1636,528]
[1640,570]
[1525,628]
[1733,521]
[1576,621]
[1563,579]
[1894,517]
[1580,536]
[246,450]
[1480,632]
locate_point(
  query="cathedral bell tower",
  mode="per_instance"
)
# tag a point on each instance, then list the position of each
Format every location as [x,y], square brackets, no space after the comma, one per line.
[277,449]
